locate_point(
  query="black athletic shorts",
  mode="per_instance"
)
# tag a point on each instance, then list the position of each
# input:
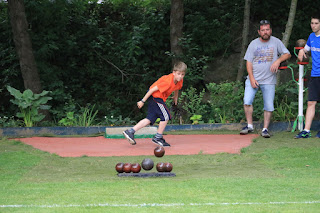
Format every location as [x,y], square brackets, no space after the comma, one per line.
[157,109]
[314,89]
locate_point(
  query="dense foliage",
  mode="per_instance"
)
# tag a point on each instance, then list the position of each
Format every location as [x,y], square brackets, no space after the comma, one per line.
[107,55]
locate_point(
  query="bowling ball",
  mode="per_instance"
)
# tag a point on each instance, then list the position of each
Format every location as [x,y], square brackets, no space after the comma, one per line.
[159,151]
[160,167]
[135,168]
[127,167]
[119,167]
[147,164]
[168,167]
[301,43]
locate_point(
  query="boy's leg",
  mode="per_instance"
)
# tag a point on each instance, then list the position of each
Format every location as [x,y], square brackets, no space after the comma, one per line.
[313,98]
[158,109]
[162,126]
[143,123]
[158,138]
[310,114]
[129,133]
[305,133]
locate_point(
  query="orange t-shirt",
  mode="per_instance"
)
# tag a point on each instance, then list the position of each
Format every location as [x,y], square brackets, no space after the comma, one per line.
[166,87]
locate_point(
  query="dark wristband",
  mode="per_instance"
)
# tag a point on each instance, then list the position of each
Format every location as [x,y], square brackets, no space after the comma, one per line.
[142,101]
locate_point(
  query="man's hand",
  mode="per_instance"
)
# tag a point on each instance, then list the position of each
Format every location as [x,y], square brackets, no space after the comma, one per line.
[274,67]
[254,83]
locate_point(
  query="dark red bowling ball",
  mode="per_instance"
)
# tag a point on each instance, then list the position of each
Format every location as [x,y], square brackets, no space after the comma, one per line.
[135,168]
[127,167]
[119,167]
[168,167]
[159,151]
[160,167]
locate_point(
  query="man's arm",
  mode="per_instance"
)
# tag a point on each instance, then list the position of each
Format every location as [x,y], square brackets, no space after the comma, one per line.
[274,67]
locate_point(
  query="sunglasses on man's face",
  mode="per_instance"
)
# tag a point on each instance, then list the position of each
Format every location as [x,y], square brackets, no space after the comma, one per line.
[264,22]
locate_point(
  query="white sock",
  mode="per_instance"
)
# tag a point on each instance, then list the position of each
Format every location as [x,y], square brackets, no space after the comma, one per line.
[264,129]
[307,130]
[250,126]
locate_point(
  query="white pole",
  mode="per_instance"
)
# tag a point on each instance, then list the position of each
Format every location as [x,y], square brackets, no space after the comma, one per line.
[300,112]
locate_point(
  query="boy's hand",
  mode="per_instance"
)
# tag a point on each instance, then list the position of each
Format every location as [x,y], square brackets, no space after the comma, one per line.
[174,108]
[301,55]
[140,104]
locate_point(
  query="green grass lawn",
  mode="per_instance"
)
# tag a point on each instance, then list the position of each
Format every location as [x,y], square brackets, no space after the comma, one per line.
[280,174]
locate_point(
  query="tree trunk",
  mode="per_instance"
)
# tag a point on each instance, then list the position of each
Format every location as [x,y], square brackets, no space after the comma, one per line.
[23,46]
[289,26]
[245,32]
[176,27]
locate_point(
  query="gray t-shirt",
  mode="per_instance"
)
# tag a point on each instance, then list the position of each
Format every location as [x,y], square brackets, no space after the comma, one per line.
[262,55]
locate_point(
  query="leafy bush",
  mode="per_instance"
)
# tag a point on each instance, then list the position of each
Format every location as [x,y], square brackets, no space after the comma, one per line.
[29,105]
[85,118]
[196,119]
[192,102]
[226,102]
[10,122]
[284,111]
[110,53]
[117,121]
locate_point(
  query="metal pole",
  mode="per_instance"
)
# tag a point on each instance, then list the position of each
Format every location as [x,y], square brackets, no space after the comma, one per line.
[300,119]
[300,109]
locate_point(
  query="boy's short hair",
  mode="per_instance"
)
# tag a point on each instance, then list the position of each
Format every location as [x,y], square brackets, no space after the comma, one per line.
[180,66]
[316,15]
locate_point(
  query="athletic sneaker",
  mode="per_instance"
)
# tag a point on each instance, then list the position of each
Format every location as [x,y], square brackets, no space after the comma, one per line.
[265,134]
[245,130]
[303,134]
[160,141]
[130,137]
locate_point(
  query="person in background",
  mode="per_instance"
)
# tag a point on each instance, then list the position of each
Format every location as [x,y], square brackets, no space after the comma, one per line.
[263,57]
[313,46]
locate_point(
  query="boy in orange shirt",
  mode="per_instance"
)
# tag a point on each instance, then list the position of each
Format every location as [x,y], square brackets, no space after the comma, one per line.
[156,96]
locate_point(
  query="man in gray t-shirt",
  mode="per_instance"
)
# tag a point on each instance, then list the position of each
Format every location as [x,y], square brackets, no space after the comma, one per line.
[263,61]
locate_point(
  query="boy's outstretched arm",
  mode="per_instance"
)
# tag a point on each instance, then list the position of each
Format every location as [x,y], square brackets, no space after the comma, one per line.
[175,97]
[147,95]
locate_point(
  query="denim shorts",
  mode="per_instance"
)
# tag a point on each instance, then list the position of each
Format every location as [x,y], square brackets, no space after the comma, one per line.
[268,92]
